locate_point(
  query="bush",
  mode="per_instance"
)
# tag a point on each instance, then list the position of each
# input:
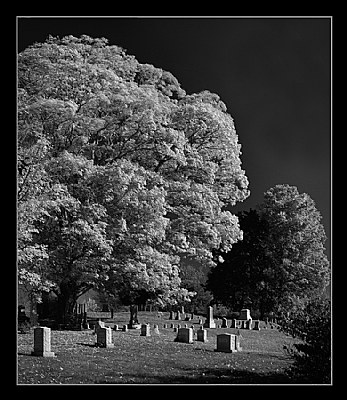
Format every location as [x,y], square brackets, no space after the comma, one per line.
[312,357]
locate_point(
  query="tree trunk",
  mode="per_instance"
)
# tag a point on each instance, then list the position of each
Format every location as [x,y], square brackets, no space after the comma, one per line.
[66,303]
[134,322]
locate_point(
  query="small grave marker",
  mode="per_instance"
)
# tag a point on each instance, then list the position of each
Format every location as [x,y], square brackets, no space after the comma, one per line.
[256,325]
[145,330]
[202,335]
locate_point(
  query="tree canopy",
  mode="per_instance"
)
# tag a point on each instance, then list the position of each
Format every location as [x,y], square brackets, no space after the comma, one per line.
[121,173]
[280,262]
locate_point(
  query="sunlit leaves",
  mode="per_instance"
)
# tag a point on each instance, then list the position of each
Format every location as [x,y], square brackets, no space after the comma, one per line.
[132,172]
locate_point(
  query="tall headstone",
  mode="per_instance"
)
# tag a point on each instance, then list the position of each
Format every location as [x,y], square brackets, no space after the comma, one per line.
[42,342]
[209,323]
[233,323]
[185,335]
[227,343]
[156,329]
[104,337]
[171,315]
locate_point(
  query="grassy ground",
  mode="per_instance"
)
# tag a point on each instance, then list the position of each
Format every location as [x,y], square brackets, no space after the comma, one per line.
[156,359]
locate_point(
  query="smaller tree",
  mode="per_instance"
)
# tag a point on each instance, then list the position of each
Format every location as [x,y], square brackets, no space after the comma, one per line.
[281,260]
[295,244]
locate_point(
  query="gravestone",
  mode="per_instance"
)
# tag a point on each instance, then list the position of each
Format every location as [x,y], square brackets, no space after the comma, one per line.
[115,327]
[249,324]
[227,343]
[209,323]
[185,335]
[104,337]
[178,316]
[171,315]
[165,326]
[145,330]
[99,324]
[191,315]
[233,323]
[125,328]
[156,330]
[256,325]
[245,314]
[224,323]
[42,342]
[202,335]
[200,321]
[172,325]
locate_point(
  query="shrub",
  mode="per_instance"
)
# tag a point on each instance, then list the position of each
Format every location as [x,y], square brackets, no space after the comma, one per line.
[312,356]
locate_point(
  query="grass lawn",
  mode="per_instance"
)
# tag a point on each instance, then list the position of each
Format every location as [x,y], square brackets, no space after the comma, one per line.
[156,359]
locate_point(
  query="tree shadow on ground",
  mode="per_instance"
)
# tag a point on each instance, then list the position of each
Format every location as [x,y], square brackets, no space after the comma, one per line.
[206,376]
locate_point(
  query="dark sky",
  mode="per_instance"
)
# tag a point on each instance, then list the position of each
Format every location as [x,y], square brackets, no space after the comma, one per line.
[274,74]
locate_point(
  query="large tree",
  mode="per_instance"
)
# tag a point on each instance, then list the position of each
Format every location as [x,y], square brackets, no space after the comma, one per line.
[138,171]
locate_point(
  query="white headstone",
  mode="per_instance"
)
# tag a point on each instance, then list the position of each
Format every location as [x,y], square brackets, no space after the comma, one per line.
[209,323]
[104,337]
[42,342]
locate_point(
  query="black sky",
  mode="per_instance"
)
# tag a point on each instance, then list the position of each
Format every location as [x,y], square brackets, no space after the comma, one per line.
[274,74]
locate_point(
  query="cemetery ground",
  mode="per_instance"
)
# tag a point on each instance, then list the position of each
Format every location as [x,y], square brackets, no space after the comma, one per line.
[155,359]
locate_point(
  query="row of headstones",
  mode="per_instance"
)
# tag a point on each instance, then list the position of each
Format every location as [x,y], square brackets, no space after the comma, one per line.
[226,342]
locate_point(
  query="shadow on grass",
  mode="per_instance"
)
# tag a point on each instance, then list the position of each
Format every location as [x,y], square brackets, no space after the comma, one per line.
[205,376]
[87,344]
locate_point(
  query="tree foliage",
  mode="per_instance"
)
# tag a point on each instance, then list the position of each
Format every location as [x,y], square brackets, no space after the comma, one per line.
[312,356]
[281,260]
[121,173]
